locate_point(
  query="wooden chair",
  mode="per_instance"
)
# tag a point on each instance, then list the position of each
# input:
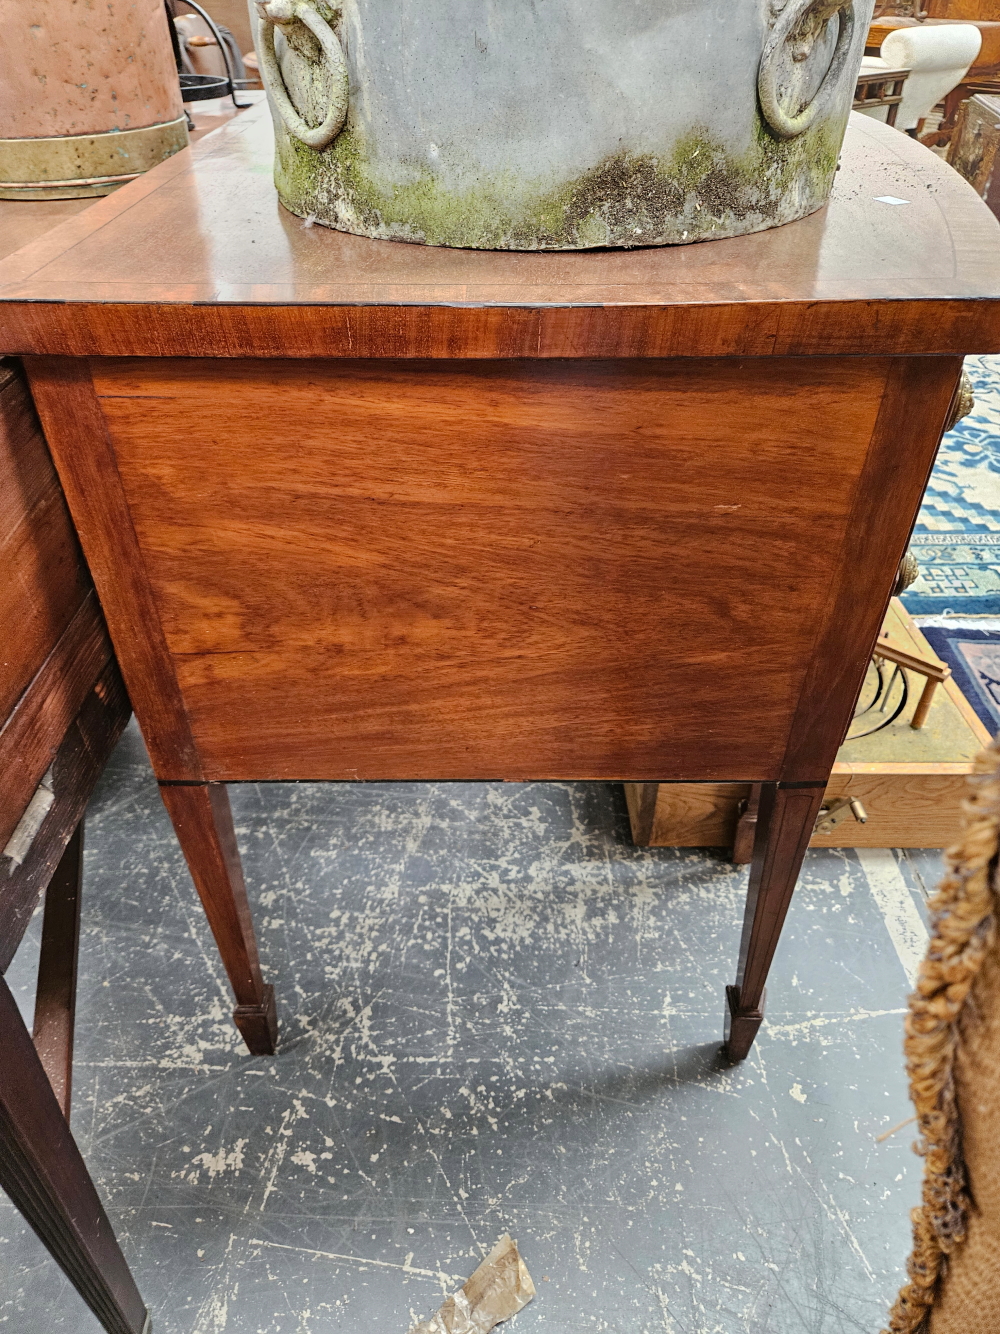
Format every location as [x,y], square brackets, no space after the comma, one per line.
[879,86]
[983,75]
[938,58]
[64,706]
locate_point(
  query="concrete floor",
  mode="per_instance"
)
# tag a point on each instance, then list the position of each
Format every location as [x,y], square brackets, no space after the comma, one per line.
[496,1015]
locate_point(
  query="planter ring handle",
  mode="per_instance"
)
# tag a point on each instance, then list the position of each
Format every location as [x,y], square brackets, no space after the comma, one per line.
[788,22]
[288,11]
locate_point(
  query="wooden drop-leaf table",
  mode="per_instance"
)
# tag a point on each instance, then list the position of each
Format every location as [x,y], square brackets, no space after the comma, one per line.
[365,510]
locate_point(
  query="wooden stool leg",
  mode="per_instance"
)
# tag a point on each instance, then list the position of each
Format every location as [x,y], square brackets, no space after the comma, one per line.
[785,819]
[55,997]
[924,704]
[203,822]
[42,1172]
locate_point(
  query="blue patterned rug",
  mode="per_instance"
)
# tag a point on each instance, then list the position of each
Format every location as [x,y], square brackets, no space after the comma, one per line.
[974,658]
[957,537]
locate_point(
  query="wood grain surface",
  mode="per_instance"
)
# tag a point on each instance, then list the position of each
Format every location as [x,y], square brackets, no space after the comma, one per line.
[911,803]
[684,815]
[43,577]
[203,820]
[31,736]
[784,824]
[78,762]
[489,570]
[55,992]
[904,444]
[906,809]
[42,1172]
[197,257]
[64,394]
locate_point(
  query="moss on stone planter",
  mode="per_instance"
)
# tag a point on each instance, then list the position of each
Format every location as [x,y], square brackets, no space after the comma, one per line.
[695,191]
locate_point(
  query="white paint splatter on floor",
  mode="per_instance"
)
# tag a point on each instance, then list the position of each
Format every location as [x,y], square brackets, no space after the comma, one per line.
[896,903]
[497,1015]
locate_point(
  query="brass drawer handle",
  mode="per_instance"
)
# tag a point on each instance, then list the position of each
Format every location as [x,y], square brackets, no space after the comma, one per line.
[798,26]
[963,402]
[301,11]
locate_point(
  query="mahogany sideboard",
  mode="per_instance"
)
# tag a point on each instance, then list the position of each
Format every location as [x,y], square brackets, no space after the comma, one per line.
[362,510]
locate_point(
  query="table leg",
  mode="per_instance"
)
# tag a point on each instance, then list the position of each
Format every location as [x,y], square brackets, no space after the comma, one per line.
[42,1172]
[785,818]
[203,822]
[55,995]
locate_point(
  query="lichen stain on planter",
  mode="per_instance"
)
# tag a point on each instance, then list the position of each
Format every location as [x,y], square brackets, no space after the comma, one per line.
[698,192]
[543,127]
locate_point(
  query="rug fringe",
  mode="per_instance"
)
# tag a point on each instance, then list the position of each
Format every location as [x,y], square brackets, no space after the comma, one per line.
[962,932]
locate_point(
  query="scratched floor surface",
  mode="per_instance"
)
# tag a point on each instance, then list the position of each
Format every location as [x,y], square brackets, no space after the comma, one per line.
[497,1015]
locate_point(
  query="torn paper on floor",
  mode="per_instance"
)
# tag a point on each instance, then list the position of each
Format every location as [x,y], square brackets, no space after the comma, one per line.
[499,1288]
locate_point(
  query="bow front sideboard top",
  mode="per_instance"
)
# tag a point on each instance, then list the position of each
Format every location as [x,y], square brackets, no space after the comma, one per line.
[359,509]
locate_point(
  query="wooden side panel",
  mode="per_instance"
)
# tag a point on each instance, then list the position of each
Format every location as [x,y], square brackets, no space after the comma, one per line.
[913,803]
[34,732]
[689,815]
[64,395]
[905,810]
[918,394]
[508,569]
[75,769]
[641,801]
[43,578]
[919,810]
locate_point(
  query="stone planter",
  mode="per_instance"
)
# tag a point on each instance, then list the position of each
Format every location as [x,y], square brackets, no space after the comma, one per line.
[559,125]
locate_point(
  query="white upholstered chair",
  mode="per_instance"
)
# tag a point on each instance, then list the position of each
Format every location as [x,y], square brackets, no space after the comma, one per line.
[938,58]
